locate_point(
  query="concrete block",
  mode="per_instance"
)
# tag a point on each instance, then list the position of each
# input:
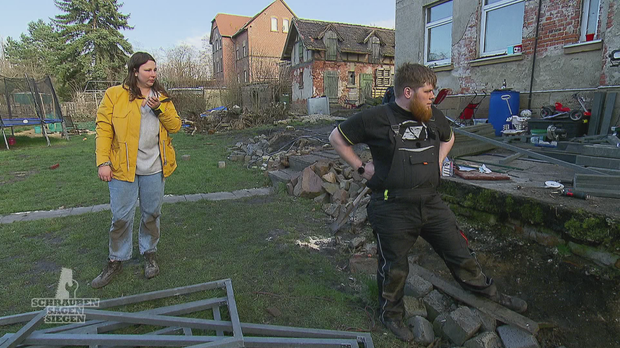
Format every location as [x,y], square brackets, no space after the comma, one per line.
[100,207]
[488,322]
[422,330]
[513,337]
[461,325]
[219,196]
[435,303]
[174,199]
[414,307]
[417,286]
[484,340]
[194,198]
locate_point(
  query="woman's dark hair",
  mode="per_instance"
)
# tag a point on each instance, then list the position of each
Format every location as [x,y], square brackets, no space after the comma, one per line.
[131,81]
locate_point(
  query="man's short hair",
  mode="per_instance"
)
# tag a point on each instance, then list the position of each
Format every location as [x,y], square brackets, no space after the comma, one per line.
[413,76]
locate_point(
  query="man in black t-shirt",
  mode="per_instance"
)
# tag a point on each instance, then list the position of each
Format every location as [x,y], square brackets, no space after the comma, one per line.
[408,140]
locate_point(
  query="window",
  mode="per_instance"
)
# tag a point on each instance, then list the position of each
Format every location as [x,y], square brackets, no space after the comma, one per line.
[285,25]
[237,52]
[383,77]
[245,50]
[376,46]
[589,20]
[502,26]
[438,34]
[351,81]
[300,51]
[331,42]
[245,76]
[274,24]
[301,78]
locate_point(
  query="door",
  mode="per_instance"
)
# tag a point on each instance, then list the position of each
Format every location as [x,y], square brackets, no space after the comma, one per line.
[365,87]
[330,83]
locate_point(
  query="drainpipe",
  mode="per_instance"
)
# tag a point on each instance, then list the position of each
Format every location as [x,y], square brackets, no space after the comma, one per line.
[529,98]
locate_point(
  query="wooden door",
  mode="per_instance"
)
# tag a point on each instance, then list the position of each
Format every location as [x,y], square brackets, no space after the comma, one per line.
[330,83]
[365,87]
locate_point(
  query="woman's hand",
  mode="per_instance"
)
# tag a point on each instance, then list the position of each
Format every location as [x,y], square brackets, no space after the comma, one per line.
[105,173]
[153,102]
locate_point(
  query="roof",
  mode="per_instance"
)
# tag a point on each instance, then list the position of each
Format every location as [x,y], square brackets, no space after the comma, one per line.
[247,23]
[352,38]
[228,24]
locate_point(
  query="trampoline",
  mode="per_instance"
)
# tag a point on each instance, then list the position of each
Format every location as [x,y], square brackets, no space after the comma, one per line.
[29,102]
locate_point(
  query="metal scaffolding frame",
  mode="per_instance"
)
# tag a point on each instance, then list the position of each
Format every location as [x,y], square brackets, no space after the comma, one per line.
[177,331]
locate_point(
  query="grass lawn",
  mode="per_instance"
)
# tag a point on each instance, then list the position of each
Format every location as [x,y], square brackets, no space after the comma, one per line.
[27,183]
[251,241]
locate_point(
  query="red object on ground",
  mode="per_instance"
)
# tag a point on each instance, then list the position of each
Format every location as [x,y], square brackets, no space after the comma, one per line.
[475,175]
[55,166]
[11,141]
[562,108]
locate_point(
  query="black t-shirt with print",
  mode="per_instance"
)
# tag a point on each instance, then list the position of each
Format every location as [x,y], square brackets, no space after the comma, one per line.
[373,128]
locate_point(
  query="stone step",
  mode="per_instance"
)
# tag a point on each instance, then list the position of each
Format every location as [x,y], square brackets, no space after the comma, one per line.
[299,163]
[282,175]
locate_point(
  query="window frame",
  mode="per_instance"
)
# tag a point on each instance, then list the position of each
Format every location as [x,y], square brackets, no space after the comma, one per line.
[435,24]
[585,17]
[300,51]
[483,25]
[285,20]
[272,24]
[351,79]
[245,50]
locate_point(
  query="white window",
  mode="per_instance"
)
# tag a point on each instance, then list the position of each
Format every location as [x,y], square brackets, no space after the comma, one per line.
[274,24]
[502,26]
[285,25]
[589,20]
[245,76]
[438,34]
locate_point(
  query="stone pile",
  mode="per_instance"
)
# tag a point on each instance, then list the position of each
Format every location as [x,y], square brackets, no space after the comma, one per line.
[335,186]
[432,314]
[272,153]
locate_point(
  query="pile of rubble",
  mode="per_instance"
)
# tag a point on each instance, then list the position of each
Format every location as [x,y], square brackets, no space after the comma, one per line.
[336,187]
[272,152]
[433,315]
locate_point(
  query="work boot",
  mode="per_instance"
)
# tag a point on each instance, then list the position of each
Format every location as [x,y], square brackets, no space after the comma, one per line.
[151,269]
[399,329]
[513,303]
[112,268]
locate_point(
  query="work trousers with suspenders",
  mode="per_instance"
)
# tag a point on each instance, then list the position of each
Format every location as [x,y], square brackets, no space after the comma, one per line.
[399,215]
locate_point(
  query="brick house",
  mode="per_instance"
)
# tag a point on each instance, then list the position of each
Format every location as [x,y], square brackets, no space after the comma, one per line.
[247,49]
[345,62]
[547,50]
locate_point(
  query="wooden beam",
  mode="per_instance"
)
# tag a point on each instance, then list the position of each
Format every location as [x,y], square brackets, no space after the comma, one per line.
[493,309]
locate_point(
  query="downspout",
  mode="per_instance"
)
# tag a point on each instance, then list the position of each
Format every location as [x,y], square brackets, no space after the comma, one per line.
[529,98]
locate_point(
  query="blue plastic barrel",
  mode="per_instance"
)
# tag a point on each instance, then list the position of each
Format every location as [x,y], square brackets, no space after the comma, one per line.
[498,108]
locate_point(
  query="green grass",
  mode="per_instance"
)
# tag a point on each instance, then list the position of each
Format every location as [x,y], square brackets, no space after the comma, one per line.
[27,183]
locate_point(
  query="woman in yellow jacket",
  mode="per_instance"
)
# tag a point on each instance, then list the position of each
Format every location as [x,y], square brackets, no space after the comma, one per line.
[135,155]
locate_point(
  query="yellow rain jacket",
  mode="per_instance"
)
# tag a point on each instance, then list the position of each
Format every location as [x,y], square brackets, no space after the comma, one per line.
[118,133]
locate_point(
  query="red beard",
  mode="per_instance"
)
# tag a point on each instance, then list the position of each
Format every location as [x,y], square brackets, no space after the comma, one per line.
[420,111]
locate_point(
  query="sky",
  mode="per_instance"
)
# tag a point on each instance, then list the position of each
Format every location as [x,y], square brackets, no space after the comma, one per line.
[160,24]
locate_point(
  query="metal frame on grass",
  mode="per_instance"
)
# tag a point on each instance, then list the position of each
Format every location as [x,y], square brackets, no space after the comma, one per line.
[177,331]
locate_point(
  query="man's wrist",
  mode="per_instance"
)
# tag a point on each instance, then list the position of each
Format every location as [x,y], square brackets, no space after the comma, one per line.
[107,163]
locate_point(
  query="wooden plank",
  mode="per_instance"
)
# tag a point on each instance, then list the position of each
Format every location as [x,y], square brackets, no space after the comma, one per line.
[597,113]
[511,158]
[493,309]
[603,180]
[610,102]
[600,162]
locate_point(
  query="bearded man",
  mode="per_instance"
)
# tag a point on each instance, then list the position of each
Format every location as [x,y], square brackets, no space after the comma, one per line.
[409,139]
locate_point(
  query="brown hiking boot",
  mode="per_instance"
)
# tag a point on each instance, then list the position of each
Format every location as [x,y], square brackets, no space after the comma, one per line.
[151,269]
[513,303]
[112,268]
[399,329]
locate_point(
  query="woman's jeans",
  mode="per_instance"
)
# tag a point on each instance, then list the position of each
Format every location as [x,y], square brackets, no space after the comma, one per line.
[123,196]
